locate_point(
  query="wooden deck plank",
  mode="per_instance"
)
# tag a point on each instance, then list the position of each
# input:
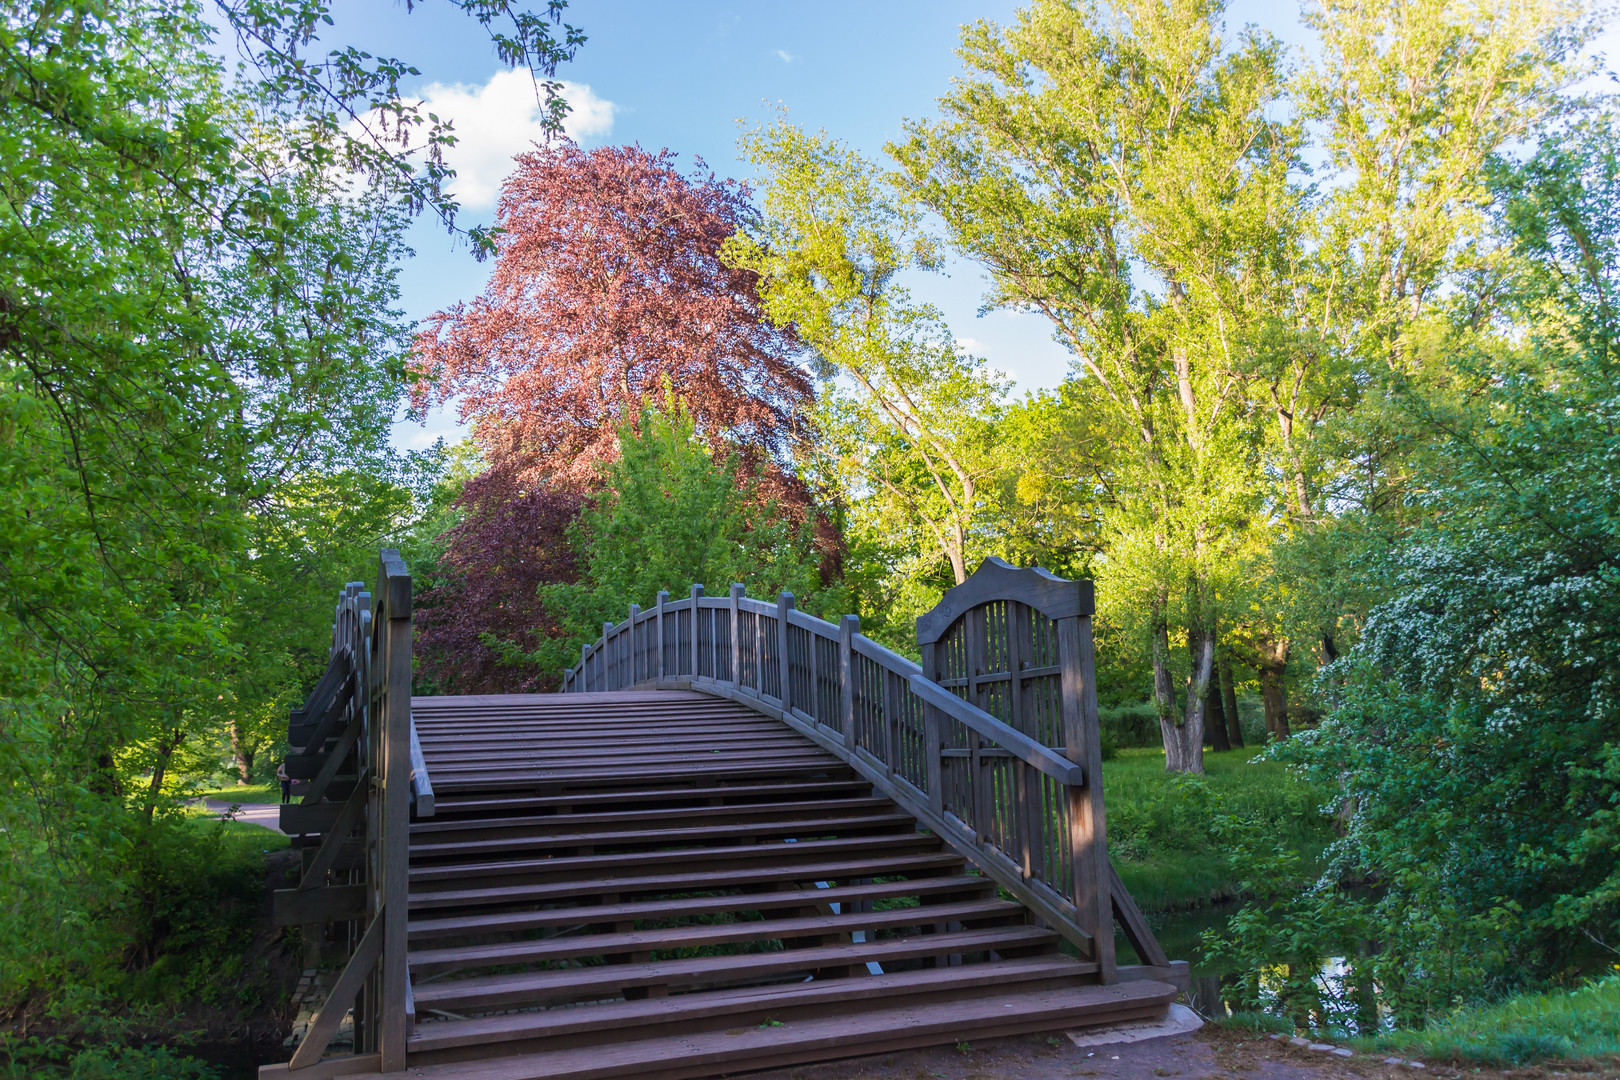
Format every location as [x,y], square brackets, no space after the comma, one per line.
[684,1056]
[708,859]
[496,991]
[546,950]
[791,826]
[740,1002]
[641,884]
[429,830]
[422,929]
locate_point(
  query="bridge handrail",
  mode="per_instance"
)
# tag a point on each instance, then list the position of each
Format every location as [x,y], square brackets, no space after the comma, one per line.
[1004,799]
[371,639]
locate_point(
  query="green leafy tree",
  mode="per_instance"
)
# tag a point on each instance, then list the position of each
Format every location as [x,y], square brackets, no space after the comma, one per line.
[1118,171]
[673,513]
[1477,727]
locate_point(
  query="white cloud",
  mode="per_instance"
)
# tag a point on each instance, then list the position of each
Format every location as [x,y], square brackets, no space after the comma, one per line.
[785,56]
[501,118]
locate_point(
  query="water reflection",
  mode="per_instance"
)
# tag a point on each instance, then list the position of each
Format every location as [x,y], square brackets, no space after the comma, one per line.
[1340,995]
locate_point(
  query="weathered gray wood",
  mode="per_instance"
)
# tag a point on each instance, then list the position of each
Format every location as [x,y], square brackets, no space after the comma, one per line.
[421,783]
[997,579]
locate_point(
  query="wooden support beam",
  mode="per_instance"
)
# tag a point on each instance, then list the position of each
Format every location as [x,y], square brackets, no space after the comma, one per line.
[329,903]
[318,818]
[348,819]
[325,1024]
[334,761]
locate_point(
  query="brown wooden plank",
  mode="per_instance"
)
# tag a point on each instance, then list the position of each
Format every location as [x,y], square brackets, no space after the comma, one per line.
[640,884]
[693,906]
[428,960]
[709,858]
[792,826]
[686,1056]
[738,1004]
[747,811]
[495,991]
[473,805]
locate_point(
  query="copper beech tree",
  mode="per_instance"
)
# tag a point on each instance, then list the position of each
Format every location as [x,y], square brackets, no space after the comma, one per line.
[608,293]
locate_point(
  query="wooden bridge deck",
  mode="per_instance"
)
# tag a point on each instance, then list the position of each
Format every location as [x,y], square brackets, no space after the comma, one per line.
[669,884]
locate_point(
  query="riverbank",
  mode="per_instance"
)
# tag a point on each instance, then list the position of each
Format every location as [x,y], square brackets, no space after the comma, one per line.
[1161,826]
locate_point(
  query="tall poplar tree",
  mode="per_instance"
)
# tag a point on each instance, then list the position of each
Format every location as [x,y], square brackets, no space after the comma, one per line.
[1117,170]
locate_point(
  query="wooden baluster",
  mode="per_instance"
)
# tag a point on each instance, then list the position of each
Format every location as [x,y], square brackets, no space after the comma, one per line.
[609,668]
[737,591]
[848,627]
[585,667]
[658,672]
[894,744]
[697,633]
[784,689]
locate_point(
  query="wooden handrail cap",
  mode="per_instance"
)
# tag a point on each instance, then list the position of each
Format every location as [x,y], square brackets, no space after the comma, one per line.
[998,579]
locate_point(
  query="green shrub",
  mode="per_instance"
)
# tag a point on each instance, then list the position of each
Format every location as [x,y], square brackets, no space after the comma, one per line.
[34,1059]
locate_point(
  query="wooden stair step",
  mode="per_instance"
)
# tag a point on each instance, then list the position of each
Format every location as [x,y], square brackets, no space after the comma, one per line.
[792,826]
[875,1031]
[472,805]
[540,892]
[424,929]
[541,778]
[545,950]
[432,828]
[744,1003]
[713,858]
[591,983]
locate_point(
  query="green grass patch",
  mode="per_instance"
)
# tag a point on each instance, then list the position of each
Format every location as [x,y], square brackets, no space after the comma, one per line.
[1569,1024]
[1160,825]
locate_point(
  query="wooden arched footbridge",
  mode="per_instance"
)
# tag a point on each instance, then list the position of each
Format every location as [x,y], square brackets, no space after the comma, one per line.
[740,838]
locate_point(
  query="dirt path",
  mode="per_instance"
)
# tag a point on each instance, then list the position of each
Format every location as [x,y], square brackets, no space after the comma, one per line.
[1208,1053]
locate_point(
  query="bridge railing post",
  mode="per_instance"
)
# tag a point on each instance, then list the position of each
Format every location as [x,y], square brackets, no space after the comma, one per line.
[697,633]
[848,627]
[735,614]
[784,672]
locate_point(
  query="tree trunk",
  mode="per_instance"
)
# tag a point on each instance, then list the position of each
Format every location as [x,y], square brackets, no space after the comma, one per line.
[1164,691]
[1234,726]
[1184,743]
[1273,666]
[242,752]
[1215,729]
[155,788]
[1330,648]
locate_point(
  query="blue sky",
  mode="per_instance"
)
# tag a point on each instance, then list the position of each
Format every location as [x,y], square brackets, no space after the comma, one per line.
[680,75]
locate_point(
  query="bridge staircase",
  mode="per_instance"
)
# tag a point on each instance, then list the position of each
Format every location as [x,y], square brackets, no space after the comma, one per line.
[679,869]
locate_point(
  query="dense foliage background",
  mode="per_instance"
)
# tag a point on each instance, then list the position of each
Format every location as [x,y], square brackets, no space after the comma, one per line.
[1339,444]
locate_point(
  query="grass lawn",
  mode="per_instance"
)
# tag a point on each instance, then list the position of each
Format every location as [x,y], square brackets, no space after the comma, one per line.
[1159,825]
[1580,1023]
[241,839]
[252,793]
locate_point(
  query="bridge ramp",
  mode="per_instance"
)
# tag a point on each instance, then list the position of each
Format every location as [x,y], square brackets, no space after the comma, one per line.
[667,884]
